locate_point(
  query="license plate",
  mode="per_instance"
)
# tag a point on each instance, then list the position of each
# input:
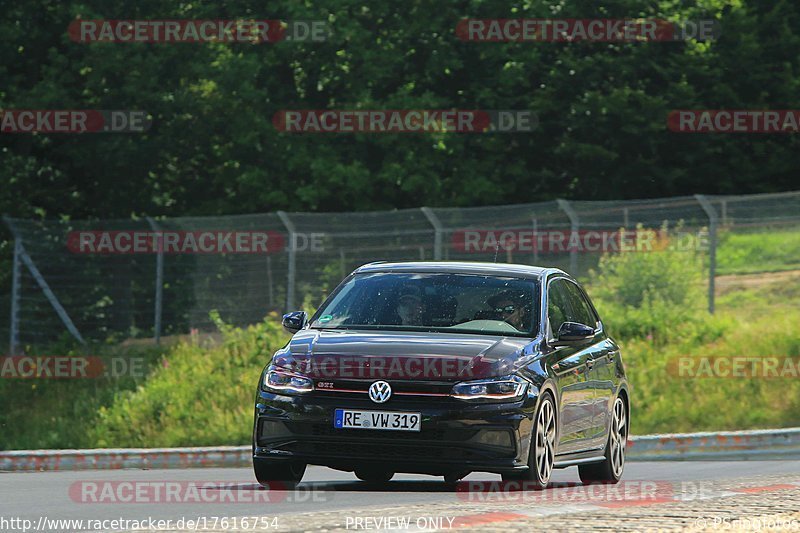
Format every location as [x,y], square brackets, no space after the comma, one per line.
[346,418]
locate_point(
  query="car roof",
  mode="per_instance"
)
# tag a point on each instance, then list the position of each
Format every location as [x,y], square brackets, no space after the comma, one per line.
[460,267]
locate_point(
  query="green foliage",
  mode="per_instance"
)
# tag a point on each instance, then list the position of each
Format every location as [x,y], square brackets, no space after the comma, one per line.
[665,402]
[653,294]
[760,251]
[213,149]
[654,304]
[59,413]
[202,395]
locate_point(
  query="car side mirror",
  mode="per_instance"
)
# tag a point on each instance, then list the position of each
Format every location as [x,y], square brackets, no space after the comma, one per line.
[294,321]
[573,332]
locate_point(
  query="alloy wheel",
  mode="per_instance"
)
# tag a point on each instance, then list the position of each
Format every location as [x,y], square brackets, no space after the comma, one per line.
[545,445]
[618,437]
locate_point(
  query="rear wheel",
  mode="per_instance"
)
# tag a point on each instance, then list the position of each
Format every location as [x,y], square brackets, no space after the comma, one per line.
[610,470]
[542,451]
[373,475]
[278,475]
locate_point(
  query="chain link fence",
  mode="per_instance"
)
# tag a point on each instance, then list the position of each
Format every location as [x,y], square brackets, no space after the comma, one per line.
[119,279]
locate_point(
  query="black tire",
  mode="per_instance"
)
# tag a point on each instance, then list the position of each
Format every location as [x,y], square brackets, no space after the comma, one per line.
[542,449]
[373,475]
[610,470]
[454,477]
[276,475]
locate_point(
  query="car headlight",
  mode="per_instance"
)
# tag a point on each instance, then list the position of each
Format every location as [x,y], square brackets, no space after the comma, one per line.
[505,388]
[282,381]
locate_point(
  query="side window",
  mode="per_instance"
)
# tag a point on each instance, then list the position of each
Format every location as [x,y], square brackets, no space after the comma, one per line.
[557,305]
[581,311]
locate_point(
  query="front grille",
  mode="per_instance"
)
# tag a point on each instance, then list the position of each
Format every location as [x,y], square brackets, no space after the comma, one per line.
[327,430]
[407,390]
[407,400]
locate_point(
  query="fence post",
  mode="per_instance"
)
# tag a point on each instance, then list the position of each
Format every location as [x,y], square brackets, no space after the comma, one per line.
[574,226]
[269,282]
[159,296]
[60,311]
[16,289]
[292,259]
[724,213]
[712,253]
[437,232]
[31,266]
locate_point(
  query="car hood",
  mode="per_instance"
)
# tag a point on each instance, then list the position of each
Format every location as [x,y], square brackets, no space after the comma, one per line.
[337,354]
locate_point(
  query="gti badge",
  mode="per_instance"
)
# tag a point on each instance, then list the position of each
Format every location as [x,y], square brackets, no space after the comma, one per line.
[380,391]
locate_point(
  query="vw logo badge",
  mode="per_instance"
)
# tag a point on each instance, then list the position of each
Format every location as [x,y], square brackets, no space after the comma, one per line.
[380,391]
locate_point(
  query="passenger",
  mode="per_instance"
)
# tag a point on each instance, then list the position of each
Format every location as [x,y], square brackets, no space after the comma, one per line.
[410,308]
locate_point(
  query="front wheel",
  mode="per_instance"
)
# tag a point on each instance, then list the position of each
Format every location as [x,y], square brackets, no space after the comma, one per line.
[278,475]
[610,470]
[543,446]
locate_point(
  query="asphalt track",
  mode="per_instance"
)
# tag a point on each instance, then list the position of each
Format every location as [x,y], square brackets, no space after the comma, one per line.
[327,498]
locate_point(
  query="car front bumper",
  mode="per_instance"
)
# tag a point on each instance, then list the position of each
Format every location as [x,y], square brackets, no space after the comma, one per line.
[454,436]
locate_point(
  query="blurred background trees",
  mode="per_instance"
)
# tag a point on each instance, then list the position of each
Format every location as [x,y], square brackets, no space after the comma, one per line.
[213,149]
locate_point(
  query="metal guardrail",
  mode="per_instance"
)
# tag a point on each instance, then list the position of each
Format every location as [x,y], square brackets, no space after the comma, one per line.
[723,445]
[115,459]
[712,446]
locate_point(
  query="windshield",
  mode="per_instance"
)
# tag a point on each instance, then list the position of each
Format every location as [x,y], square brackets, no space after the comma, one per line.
[464,303]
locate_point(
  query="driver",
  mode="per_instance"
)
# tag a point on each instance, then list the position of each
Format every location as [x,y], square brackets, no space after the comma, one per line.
[510,307]
[410,308]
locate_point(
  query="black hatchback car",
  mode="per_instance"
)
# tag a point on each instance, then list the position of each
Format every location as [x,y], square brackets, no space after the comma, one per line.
[445,368]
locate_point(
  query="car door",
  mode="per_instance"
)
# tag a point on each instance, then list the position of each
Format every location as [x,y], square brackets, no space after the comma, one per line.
[605,376]
[599,370]
[569,364]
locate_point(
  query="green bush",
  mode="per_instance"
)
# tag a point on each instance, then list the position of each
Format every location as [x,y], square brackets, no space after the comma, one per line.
[200,396]
[654,304]
[652,294]
[59,413]
[665,401]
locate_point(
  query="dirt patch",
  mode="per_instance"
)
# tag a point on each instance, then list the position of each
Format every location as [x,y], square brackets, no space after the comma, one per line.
[733,282]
